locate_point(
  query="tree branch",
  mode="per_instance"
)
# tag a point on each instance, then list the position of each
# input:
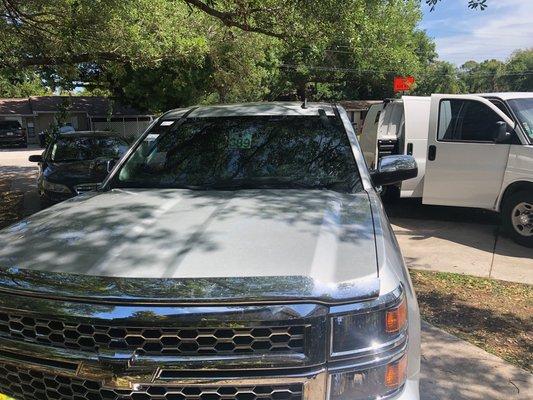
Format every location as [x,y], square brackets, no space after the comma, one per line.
[229,20]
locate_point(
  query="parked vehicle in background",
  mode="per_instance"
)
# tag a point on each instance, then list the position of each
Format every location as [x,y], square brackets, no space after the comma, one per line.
[235,252]
[12,134]
[471,150]
[76,162]
[67,128]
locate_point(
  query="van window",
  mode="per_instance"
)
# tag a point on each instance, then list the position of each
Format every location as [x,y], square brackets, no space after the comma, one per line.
[498,103]
[466,120]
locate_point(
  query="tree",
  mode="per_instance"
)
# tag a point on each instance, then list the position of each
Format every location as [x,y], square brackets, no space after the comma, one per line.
[472,4]
[518,71]
[482,77]
[21,84]
[159,54]
[439,77]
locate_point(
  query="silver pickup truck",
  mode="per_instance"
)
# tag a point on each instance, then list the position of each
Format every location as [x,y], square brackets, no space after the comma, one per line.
[235,252]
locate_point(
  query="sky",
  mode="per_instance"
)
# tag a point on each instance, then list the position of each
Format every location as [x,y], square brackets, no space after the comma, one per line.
[462,34]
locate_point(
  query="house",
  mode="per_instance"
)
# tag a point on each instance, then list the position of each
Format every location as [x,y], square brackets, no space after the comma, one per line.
[357,110]
[38,113]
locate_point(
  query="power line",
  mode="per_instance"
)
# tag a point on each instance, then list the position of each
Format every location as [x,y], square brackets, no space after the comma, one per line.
[342,69]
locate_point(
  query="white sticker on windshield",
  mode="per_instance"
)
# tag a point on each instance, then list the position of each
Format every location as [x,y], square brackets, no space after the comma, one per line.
[167,123]
[151,137]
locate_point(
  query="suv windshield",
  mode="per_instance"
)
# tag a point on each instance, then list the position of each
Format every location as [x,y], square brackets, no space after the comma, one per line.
[87,148]
[523,108]
[244,153]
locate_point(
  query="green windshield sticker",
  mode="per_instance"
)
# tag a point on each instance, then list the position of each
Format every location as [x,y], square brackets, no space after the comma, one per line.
[240,140]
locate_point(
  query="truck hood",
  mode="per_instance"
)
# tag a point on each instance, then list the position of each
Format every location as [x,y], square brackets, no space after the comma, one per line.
[182,245]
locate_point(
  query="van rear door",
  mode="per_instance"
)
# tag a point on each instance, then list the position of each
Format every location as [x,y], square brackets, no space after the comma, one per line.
[416,110]
[465,166]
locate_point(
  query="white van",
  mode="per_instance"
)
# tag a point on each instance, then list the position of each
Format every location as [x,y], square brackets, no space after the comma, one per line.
[471,151]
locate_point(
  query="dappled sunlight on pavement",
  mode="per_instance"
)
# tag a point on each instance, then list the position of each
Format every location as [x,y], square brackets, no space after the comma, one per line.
[18,187]
[453,369]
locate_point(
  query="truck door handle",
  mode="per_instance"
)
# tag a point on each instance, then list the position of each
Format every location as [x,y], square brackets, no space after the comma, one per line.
[409,149]
[432,153]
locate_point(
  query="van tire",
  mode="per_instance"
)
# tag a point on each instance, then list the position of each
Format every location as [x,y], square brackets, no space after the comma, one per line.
[513,208]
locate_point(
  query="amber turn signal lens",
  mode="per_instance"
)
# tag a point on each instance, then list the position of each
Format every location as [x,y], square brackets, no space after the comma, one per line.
[396,373]
[396,318]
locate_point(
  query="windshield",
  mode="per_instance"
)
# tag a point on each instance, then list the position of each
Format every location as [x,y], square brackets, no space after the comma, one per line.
[523,109]
[87,148]
[244,153]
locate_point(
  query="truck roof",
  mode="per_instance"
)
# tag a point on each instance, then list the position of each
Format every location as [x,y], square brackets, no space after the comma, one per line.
[255,109]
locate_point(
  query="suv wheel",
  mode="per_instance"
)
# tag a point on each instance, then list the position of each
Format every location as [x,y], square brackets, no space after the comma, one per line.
[517,217]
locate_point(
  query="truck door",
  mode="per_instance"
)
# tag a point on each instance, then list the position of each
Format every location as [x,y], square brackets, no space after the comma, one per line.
[465,166]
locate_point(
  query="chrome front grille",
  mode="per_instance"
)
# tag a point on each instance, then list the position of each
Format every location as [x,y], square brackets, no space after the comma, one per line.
[31,384]
[153,341]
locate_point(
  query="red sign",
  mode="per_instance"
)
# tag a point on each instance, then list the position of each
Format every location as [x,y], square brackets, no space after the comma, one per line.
[403,83]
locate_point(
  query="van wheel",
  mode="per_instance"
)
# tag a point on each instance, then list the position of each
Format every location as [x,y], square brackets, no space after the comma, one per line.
[517,217]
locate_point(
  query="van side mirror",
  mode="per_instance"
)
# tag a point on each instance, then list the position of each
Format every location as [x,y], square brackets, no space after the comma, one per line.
[35,158]
[394,169]
[503,136]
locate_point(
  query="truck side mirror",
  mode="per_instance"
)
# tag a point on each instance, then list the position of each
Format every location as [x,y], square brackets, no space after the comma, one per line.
[394,169]
[503,135]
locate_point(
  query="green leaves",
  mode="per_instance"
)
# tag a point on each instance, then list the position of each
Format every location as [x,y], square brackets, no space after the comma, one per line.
[159,54]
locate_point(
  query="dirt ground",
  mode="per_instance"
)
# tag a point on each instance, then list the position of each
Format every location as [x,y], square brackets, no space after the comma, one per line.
[494,315]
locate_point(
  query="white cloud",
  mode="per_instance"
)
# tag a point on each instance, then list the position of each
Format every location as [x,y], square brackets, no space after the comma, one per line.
[508,26]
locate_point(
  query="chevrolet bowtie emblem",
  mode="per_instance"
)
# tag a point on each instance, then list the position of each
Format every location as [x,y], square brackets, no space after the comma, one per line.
[116,362]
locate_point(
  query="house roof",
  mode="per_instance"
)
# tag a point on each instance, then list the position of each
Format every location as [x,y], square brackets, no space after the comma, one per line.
[92,105]
[15,107]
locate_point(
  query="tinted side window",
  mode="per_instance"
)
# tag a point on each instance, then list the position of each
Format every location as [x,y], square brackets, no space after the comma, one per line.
[466,120]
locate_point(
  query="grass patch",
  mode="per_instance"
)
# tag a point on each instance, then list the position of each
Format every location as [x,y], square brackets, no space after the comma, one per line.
[494,315]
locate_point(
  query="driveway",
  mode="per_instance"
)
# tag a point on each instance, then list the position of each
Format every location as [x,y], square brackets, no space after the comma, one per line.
[461,240]
[18,190]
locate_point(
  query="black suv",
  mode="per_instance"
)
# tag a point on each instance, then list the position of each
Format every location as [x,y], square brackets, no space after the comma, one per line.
[76,162]
[12,134]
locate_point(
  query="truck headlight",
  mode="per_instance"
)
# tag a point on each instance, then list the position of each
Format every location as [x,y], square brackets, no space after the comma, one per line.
[367,355]
[55,187]
[372,330]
